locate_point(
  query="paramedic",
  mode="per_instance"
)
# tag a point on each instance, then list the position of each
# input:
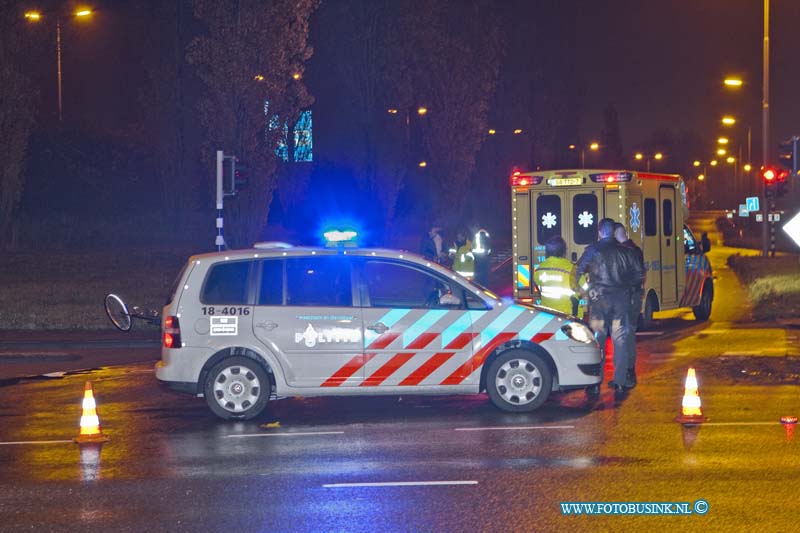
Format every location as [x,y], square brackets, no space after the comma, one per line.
[555,277]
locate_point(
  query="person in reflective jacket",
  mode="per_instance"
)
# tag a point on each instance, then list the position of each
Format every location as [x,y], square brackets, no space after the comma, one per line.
[463,259]
[556,279]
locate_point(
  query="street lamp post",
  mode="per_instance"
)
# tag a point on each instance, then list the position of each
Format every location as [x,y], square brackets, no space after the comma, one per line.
[765,129]
[639,156]
[36,16]
[593,146]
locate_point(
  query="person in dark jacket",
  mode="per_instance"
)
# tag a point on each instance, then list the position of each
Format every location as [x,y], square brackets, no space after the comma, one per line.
[637,295]
[614,272]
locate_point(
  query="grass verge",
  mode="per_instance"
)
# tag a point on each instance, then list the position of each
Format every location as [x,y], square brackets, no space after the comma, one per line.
[63,290]
[773,284]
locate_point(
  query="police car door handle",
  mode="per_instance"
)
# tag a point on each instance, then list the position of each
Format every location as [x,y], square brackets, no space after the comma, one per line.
[380,327]
[269,326]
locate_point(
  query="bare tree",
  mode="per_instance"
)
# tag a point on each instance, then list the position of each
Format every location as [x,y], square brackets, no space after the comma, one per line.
[250,59]
[16,122]
[168,114]
[454,70]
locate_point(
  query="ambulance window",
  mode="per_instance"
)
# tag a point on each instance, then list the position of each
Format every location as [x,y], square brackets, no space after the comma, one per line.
[650,217]
[318,282]
[548,209]
[226,284]
[391,284]
[271,286]
[667,218]
[584,223]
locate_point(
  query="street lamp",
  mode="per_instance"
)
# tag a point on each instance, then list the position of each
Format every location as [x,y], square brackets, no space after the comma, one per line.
[658,156]
[36,16]
[593,146]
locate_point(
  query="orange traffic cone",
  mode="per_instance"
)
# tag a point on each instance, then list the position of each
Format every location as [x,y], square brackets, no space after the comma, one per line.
[691,411]
[90,423]
[789,423]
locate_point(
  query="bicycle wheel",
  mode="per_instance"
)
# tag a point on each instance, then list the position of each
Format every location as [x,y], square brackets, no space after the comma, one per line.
[117,312]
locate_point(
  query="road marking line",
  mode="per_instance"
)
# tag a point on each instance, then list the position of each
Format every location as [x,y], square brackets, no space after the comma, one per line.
[295,434]
[34,442]
[513,428]
[762,352]
[398,484]
[740,423]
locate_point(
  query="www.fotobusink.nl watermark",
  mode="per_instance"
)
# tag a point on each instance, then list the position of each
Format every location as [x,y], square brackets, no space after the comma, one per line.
[699,507]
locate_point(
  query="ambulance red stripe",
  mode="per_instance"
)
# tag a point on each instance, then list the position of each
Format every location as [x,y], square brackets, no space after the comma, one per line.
[431,365]
[541,337]
[477,360]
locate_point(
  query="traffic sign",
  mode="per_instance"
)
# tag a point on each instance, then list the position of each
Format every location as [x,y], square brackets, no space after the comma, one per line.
[759,217]
[792,229]
[743,211]
[752,203]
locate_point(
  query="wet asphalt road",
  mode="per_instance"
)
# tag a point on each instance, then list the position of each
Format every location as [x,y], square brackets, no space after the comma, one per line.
[171,466]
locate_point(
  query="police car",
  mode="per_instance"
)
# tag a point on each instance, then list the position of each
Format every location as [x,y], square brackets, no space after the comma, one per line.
[246,326]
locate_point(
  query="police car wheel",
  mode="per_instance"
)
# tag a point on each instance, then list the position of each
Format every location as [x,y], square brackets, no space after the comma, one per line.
[518,381]
[237,388]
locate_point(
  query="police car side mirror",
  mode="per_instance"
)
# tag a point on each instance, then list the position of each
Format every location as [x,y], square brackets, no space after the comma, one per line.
[449,300]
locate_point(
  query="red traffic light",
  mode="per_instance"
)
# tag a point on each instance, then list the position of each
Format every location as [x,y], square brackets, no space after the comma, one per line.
[770,175]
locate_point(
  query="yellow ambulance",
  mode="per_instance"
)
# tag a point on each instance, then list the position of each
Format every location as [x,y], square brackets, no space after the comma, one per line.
[570,203]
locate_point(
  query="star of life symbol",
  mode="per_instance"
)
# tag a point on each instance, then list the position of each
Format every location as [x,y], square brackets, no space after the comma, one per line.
[585,219]
[549,220]
[635,222]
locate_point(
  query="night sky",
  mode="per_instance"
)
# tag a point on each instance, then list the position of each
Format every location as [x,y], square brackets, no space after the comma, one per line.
[661,63]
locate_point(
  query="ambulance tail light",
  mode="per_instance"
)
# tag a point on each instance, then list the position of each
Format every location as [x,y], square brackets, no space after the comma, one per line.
[611,177]
[520,180]
[172,332]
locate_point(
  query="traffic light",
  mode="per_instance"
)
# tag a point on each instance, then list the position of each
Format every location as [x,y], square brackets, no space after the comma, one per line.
[234,175]
[240,175]
[788,155]
[775,181]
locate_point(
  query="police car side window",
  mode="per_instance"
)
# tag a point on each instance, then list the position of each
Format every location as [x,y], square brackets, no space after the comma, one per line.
[226,284]
[270,290]
[396,285]
[319,281]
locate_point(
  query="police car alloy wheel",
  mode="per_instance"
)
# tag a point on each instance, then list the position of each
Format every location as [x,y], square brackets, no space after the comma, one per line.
[237,388]
[518,381]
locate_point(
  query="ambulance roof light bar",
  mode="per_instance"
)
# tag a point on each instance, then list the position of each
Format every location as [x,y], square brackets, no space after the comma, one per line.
[518,180]
[611,177]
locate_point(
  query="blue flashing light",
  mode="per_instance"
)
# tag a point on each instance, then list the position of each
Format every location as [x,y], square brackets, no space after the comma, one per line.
[336,237]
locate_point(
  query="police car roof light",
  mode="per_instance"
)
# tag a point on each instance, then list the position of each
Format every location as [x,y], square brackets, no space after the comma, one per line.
[340,238]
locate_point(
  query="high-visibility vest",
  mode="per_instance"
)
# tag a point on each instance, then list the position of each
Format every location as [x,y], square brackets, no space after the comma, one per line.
[555,277]
[464,260]
[482,245]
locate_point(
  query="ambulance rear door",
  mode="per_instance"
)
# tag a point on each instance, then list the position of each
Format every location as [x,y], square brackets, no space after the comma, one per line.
[571,213]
